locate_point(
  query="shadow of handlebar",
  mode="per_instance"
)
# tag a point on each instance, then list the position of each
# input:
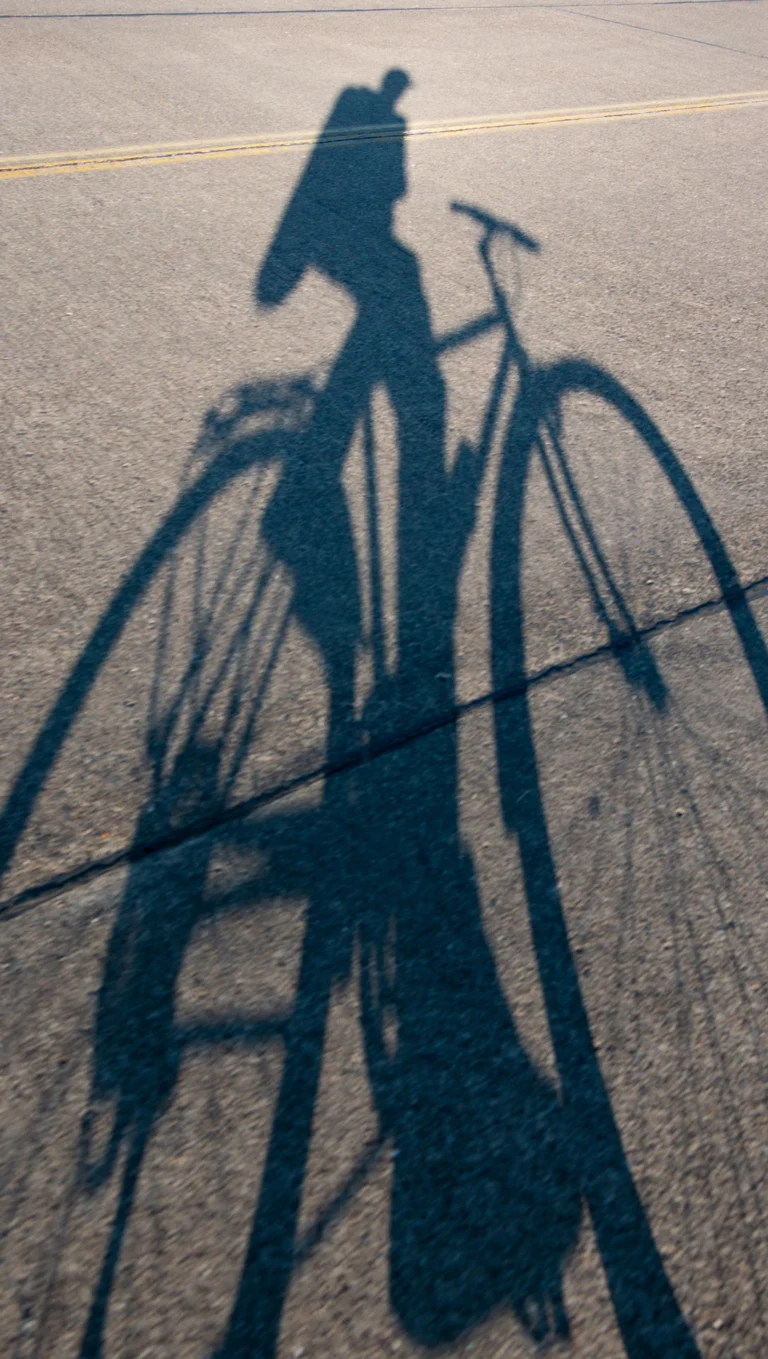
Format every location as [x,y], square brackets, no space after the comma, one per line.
[492,225]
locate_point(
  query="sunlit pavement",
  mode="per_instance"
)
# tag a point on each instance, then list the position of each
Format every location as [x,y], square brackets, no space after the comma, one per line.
[382,838]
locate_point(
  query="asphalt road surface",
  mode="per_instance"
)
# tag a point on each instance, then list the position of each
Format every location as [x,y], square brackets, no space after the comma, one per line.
[384,587]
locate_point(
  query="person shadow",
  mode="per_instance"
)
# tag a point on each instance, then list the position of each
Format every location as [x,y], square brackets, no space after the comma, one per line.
[485,1206]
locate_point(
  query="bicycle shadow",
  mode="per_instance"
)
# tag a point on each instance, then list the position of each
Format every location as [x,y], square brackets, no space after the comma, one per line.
[492,1164]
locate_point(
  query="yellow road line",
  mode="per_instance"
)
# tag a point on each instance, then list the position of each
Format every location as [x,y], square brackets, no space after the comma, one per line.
[114,158]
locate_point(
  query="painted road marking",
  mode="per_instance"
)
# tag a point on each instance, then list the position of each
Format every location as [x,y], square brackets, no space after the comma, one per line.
[116,158]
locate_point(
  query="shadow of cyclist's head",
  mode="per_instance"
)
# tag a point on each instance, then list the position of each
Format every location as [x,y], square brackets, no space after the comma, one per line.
[340,215]
[394,84]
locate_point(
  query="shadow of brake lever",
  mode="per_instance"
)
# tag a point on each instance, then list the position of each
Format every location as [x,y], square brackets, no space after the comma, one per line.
[497,224]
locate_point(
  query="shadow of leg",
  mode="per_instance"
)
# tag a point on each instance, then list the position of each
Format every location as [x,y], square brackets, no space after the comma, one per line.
[253,1328]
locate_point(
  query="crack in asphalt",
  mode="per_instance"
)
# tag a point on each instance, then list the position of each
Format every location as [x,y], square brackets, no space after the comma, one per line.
[12,906]
[365,9]
[584,13]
